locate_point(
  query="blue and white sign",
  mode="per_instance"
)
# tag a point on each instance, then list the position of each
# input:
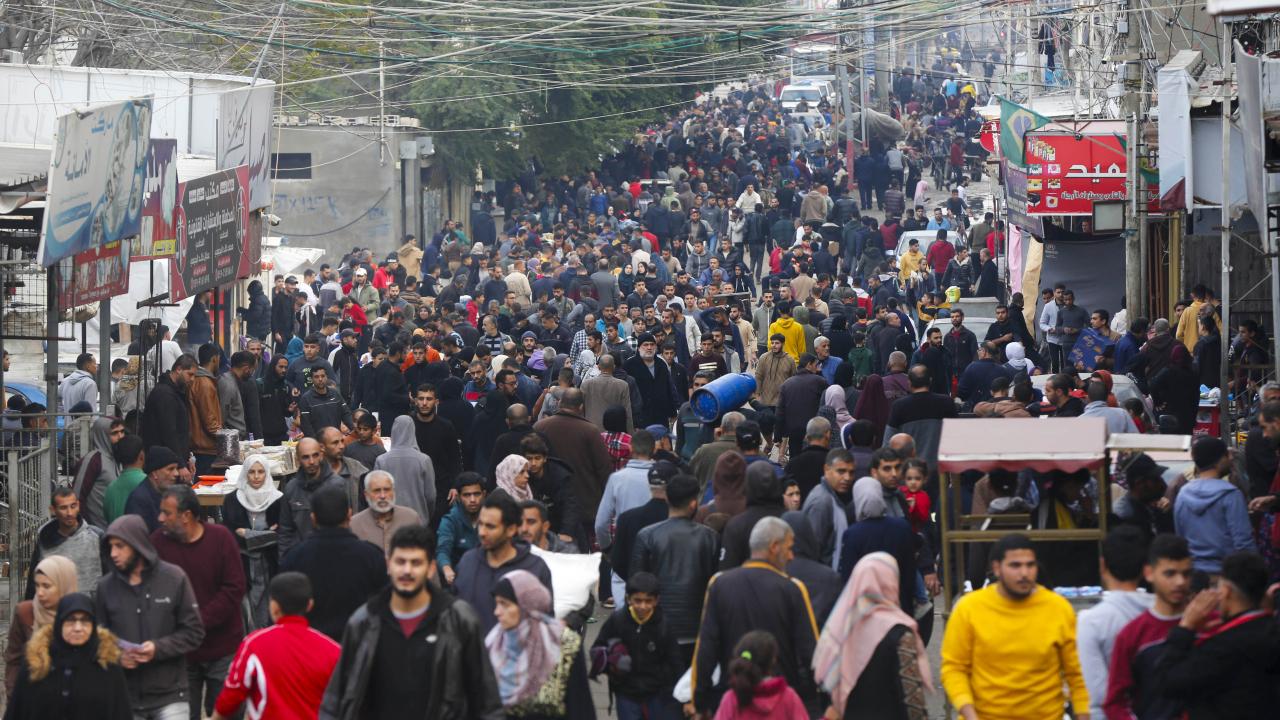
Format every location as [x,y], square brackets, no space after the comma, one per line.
[97,177]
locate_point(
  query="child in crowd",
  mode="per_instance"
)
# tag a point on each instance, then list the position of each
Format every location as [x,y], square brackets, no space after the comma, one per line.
[914,474]
[755,692]
[639,654]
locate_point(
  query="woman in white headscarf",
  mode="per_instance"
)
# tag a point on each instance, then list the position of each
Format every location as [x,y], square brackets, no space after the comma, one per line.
[254,509]
[414,472]
[1018,361]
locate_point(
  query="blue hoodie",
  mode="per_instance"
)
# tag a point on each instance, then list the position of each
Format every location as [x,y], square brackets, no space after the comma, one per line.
[1211,514]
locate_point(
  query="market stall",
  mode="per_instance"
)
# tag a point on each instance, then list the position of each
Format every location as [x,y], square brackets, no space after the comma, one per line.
[983,445]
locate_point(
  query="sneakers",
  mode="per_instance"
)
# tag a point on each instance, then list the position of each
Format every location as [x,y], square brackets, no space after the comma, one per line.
[922,611]
[607,604]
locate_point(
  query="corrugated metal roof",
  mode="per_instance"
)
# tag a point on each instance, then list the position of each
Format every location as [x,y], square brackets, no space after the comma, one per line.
[22,164]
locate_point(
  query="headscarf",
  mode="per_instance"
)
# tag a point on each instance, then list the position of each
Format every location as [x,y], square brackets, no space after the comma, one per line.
[61,571]
[63,654]
[868,499]
[524,657]
[414,474]
[1017,355]
[495,365]
[506,473]
[260,499]
[729,480]
[834,399]
[865,613]
[873,406]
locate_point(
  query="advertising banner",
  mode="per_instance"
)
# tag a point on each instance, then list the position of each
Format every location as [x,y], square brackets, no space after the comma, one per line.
[1067,173]
[213,224]
[1015,196]
[96,274]
[157,237]
[96,177]
[244,137]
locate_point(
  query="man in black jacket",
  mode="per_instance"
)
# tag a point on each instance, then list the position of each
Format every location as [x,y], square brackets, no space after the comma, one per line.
[282,319]
[389,387]
[322,406]
[683,555]
[344,570]
[654,380]
[757,596]
[551,482]
[167,418]
[764,499]
[277,401]
[428,648]
[798,402]
[345,361]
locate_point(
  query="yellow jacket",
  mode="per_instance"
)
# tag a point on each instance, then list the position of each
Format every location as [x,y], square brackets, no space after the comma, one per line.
[795,343]
[1009,658]
[909,263]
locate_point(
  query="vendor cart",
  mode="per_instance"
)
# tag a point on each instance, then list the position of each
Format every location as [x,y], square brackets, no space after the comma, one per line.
[1042,445]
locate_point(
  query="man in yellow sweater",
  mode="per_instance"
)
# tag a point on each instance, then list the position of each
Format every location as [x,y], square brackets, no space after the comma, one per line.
[794,342]
[1009,646]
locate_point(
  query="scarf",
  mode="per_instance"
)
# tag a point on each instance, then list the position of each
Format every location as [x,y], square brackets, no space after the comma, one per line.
[61,571]
[863,615]
[524,657]
[260,499]
[505,475]
[834,398]
[868,500]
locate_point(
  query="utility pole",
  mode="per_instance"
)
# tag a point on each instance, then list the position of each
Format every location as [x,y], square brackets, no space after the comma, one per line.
[1131,104]
[1224,225]
[382,109]
[846,103]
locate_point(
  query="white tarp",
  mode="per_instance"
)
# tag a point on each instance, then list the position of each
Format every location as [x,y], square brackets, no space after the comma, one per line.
[1206,147]
[1174,87]
[244,137]
[97,174]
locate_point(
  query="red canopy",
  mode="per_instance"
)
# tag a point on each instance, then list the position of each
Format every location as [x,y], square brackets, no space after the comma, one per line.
[1040,444]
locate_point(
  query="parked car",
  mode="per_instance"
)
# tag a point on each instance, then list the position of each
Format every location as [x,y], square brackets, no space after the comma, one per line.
[926,238]
[791,96]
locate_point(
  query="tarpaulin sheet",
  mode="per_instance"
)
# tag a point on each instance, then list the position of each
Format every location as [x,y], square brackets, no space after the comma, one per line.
[1092,266]
[1043,445]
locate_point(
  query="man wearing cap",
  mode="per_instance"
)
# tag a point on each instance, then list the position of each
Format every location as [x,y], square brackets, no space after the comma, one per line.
[364,294]
[654,381]
[161,467]
[662,445]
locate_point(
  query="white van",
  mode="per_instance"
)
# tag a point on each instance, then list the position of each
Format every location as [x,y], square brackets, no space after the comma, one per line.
[791,96]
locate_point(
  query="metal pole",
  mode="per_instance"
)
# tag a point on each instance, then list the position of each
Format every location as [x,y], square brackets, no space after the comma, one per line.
[382,110]
[104,354]
[1132,250]
[50,364]
[846,103]
[1224,222]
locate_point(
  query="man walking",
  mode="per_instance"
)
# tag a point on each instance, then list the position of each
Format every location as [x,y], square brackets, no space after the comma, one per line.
[206,409]
[501,551]
[413,646]
[151,607]
[1012,628]
[69,535]
[378,522]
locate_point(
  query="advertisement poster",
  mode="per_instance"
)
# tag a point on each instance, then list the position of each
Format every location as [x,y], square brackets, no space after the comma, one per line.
[1068,173]
[213,225]
[244,137]
[96,274]
[97,173]
[157,237]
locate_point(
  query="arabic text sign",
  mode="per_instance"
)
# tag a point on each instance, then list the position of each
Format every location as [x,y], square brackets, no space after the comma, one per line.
[1067,174]
[96,274]
[213,223]
[244,137]
[1089,346]
[96,177]
[157,237]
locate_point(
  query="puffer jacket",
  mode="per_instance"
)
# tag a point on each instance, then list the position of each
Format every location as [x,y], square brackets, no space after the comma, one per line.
[465,685]
[683,555]
[162,609]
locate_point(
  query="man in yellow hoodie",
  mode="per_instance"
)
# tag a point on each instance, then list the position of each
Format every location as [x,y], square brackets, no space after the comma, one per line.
[794,343]
[1189,321]
[1009,646]
[910,261]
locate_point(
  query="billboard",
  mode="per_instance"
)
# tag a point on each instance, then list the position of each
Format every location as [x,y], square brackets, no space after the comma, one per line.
[99,273]
[96,176]
[157,236]
[244,137]
[213,229]
[1068,172]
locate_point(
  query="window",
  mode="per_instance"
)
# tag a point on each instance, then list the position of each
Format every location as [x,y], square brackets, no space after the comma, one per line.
[291,166]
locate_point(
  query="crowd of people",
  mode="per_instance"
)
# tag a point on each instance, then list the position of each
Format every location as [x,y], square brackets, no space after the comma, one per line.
[532,381]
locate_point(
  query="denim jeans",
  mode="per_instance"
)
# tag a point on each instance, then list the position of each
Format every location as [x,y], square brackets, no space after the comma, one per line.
[204,682]
[173,711]
[655,708]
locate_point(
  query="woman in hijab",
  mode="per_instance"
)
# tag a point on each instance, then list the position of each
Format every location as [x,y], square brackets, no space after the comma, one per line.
[834,398]
[252,510]
[1018,361]
[536,658]
[490,422]
[97,469]
[512,475]
[870,657]
[1176,390]
[55,577]
[413,471]
[874,531]
[72,670]
[728,480]
[874,406]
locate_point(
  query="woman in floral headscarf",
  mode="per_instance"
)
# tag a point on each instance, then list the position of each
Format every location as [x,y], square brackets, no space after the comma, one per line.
[512,475]
[870,658]
[536,658]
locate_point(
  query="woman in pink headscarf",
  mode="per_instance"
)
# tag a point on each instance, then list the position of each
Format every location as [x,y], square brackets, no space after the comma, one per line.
[870,658]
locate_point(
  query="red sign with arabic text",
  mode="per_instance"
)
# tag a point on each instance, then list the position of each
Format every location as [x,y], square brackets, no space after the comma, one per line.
[1067,174]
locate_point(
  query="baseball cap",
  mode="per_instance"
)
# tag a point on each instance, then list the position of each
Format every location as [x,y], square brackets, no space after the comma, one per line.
[393,258]
[291,280]
[361,272]
[658,431]
[347,333]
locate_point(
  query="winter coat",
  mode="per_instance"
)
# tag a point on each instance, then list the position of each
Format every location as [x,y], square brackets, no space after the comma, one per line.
[78,387]
[167,418]
[162,609]
[345,572]
[578,443]
[295,517]
[654,652]
[683,556]
[84,547]
[461,676]
[772,370]
[475,579]
[232,405]
[205,412]
[257,316]
[274,398]
[73,687]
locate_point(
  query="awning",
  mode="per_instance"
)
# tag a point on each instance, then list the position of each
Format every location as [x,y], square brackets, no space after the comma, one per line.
[1040,444]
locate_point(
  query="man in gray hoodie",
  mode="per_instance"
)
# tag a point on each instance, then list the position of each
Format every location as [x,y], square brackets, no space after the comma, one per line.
[150,606]
[81,385]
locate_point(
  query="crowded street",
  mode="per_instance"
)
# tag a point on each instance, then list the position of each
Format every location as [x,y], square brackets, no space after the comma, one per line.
[898,372]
